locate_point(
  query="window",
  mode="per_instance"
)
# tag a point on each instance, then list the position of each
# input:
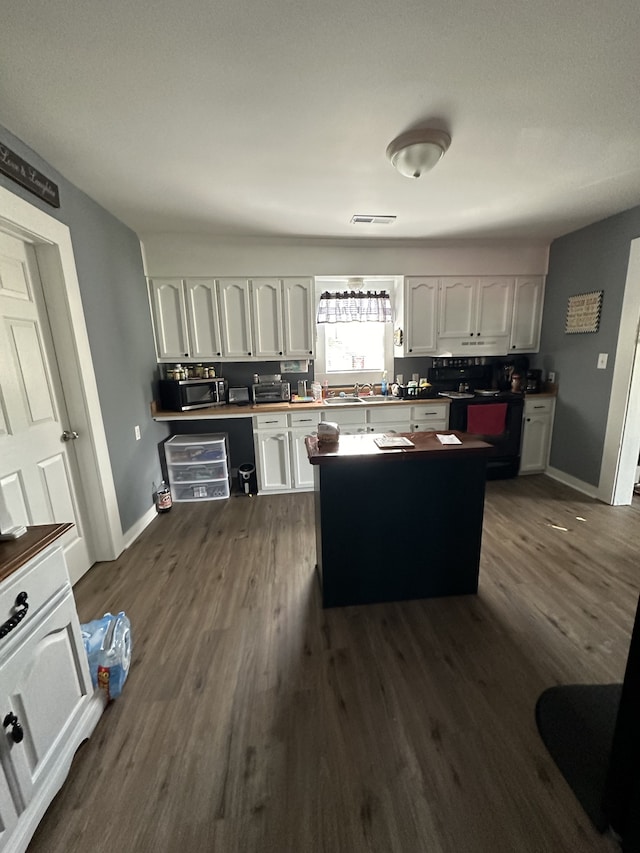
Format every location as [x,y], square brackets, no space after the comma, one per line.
[347,353]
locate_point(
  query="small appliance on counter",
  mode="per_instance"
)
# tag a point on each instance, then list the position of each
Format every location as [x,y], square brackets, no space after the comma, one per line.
[271,389]
[182,395]
[239,396]
[533,382]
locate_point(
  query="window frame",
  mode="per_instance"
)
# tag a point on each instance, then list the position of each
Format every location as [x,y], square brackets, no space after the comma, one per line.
[350,377]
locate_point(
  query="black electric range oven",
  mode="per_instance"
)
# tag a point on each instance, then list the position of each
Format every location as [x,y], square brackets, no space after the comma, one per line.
[469,384]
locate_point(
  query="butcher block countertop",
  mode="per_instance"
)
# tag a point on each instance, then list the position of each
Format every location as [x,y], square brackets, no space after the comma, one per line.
[14,553]
[235,411]
[426,445]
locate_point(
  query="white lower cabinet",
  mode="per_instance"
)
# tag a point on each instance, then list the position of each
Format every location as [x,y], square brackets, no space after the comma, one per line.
[389,418]
[48,705]
[281,456]
[430,416]
[536,434]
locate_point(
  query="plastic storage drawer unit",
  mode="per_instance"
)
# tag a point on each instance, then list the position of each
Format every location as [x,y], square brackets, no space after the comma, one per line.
[197,466]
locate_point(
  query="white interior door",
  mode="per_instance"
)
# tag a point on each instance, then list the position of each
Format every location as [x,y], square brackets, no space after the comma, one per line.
[38,469]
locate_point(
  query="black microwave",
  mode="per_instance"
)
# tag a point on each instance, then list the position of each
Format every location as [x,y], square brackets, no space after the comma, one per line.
[181,395]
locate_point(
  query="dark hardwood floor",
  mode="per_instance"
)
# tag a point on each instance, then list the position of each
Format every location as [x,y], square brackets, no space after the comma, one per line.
[252,720]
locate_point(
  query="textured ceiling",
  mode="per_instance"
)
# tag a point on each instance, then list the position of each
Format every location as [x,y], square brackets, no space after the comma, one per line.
[272,118]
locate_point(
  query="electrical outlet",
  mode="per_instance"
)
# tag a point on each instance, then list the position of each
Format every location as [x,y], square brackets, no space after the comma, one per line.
[602,360]
[551,376]
[136,430]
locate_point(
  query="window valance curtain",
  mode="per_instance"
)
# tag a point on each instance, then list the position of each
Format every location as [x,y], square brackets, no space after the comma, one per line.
[360,306]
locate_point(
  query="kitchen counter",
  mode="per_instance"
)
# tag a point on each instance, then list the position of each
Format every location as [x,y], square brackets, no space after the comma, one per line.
[397,524]
[14,553]
[236,411]
[426,445]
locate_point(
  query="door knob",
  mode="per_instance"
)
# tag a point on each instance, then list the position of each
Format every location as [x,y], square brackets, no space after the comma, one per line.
[69,435]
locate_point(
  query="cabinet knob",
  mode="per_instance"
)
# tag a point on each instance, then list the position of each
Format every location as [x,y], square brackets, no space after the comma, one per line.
[17,733]
[248,353]
[410,349]
[528,420]
[470,334]
[186,355]
[217,353]
[280,353]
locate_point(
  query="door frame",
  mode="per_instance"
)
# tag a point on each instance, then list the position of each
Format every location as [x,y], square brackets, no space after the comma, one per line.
[622,437]
[51,241]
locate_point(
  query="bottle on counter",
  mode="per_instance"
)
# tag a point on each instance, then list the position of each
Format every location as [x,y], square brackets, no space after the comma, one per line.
[384,387]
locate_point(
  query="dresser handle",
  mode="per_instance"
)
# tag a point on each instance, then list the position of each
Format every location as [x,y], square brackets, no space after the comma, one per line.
[17,733]
[18,616]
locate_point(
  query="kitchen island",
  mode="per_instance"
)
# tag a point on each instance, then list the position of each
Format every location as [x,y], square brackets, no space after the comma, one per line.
[397,524]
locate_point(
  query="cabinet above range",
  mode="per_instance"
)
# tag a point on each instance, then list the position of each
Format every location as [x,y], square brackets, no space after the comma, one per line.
[469,315]
[237,319]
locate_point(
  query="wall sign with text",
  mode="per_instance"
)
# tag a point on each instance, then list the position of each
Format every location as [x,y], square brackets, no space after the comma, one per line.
[23,173]
[583,313]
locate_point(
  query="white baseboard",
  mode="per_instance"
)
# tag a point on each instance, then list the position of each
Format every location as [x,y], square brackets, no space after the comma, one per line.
[572,482]
[136,529]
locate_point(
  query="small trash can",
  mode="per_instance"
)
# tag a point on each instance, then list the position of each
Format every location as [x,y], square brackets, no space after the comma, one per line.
[248,479]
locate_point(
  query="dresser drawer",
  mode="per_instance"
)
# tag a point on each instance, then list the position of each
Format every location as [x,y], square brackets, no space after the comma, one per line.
[41,579]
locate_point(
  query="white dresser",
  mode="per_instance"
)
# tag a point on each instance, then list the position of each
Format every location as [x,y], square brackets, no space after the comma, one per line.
[48,705]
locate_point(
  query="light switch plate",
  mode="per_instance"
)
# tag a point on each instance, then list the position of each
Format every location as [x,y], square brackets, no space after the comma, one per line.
[551,376]
[136,431]
[602,360]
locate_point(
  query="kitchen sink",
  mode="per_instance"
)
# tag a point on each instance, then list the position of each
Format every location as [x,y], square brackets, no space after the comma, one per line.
[343,401]
[378,398]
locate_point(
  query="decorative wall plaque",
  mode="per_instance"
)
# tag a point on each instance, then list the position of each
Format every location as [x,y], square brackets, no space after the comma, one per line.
[583,313]
[22,173]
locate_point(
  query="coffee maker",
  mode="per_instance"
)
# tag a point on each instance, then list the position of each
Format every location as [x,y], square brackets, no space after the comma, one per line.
[533,384]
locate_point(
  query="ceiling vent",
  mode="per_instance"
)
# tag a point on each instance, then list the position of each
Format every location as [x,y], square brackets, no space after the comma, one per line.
[365,219]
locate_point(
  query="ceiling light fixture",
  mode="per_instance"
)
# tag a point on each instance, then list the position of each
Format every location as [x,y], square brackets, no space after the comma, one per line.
[417,151]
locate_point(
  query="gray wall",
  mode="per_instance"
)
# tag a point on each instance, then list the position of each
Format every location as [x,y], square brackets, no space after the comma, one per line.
[594,258]
[113,290]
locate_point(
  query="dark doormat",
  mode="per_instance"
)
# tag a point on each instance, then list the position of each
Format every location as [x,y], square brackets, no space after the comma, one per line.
[576,723]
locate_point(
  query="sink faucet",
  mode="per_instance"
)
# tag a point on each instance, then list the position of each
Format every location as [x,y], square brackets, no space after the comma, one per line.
[358,388]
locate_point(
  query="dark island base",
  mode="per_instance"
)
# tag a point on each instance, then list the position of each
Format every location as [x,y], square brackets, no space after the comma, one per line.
[392,532]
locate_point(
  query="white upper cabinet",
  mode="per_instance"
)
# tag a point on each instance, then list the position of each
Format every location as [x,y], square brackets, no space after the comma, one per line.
[527,314]
[235,318]
[283,323]
[203,321]
[420,311]
[475,315]
[266,303]
[299,323]
[185,318]
[169,320]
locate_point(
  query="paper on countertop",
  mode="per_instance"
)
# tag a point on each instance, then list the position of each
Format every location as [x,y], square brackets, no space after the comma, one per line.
[448,439]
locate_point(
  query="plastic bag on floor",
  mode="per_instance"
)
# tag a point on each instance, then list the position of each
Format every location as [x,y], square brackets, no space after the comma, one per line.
[107,642]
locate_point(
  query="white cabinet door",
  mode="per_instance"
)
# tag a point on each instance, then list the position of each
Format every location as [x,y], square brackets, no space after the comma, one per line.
[266,303]
[169,322]
[272,451]
[494,306]
[45,683]
[302,468]
[299,321]
[457,307]
[536,434]
[203,321]
[235,318]
[8,812]
[420,315]
[527,314]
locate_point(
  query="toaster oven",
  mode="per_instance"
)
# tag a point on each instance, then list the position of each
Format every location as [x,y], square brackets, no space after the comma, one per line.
[271,392]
